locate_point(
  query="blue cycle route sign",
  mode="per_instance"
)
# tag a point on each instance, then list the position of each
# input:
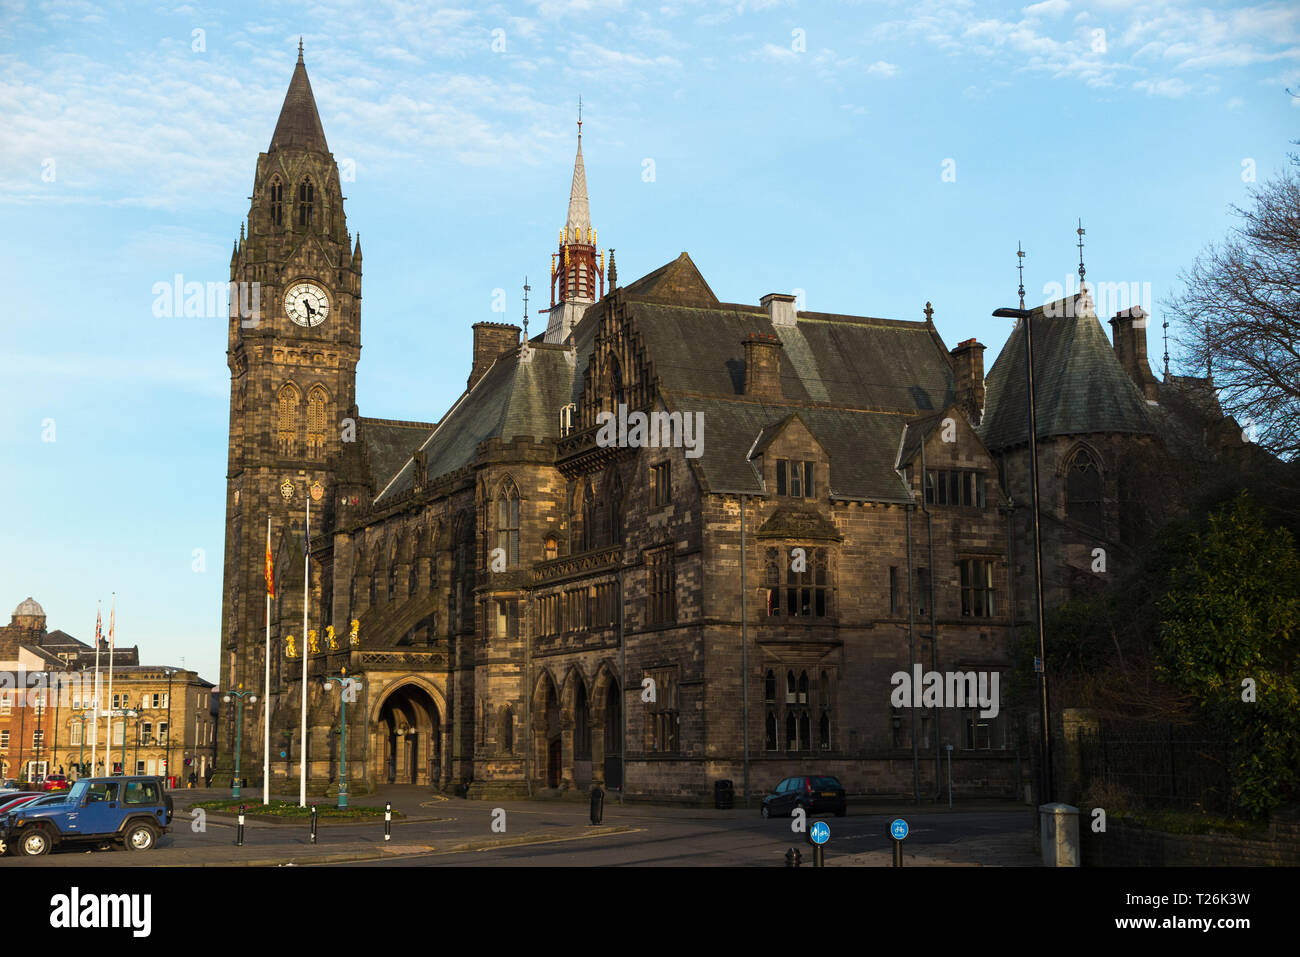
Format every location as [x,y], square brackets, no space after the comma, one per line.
[820,833]
[898,829]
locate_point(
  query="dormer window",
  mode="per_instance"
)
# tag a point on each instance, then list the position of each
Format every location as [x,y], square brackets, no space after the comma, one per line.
[794,478]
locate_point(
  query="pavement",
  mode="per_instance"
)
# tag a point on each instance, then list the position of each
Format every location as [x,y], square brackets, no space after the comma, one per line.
[437,830]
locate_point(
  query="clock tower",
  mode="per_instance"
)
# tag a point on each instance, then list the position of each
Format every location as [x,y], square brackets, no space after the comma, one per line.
[294,342]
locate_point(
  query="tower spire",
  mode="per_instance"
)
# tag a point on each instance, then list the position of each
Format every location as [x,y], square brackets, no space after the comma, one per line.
[299,123]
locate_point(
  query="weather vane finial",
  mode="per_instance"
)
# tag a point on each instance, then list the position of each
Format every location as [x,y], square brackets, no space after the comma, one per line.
[1081,269]
[1020,267]
[300,49]
[526,289]
[579,116]
[1166,327]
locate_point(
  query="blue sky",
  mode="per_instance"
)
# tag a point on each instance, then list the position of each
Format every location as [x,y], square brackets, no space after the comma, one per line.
[872,155]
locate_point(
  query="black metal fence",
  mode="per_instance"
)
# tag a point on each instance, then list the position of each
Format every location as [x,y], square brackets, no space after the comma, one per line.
[1155,767]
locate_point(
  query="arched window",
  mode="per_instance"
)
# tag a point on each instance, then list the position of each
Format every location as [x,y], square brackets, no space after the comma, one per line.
[549,550]
[507,736]
[805,736]
[277,201]
[287,419]
[392,582]
[789,687]
[317,400]
[508,523]
[1083,490]
[791,732]
[770,737]
[803,687]
[306,200]
[769,686]
[824,732]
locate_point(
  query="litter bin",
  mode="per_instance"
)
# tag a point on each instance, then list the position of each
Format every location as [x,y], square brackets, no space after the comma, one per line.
[724,795]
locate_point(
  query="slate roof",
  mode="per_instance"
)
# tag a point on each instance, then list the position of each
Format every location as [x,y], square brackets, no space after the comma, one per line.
[513,398]
[863,363]
[299,123]
[389,443]
[863,446]
[1079,385]
[855,382]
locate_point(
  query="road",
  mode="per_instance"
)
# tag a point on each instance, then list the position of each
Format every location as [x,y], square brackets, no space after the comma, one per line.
[441,831]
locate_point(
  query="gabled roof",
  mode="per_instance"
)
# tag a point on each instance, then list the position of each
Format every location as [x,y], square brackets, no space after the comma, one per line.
[299,124]
[1079,385]
[676,282]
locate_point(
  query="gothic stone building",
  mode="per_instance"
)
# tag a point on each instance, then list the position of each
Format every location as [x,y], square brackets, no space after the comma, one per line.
[543,601]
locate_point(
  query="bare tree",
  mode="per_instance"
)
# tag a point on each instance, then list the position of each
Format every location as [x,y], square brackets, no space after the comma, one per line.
[1239,315]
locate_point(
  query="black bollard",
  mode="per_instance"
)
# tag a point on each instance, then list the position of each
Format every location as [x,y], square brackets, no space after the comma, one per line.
[793,858]
[597,804]
[388,820]
[313,823]
[239,829]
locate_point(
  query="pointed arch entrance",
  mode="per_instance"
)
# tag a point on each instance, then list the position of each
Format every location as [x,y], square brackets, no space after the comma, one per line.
[409,731]
[548,747]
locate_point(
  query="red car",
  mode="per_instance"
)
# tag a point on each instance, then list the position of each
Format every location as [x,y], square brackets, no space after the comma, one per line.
[12,800]
[55,782]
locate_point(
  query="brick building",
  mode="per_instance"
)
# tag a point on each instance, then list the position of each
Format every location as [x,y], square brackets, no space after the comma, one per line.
[46,701]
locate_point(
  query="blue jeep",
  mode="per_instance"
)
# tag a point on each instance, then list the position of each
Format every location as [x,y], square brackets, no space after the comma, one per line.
[132,810]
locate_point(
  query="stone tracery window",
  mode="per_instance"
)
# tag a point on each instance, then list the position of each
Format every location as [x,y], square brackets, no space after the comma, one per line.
[317,401]
[277,201]
[287,419]
[306,201]
[508,523]
[1083,490]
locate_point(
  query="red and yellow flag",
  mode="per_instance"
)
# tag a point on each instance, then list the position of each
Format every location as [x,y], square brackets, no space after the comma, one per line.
[270,569]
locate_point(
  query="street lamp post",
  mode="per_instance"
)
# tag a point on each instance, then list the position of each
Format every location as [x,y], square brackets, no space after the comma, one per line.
[239,697]
[349,686]
[1044,739]
[167,758]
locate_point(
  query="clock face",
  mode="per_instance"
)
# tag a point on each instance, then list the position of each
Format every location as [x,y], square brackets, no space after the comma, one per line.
[306,303]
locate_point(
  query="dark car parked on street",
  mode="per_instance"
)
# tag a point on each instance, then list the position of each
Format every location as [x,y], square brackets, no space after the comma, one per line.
[815,793]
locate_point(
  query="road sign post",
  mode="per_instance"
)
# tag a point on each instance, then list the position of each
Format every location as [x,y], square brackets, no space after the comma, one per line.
[819,834]
[898,831]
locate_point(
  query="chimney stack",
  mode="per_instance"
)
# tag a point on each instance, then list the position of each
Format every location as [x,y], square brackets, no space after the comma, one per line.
[763,366]
[1130,335]
[491,339]
[780,308]
[968,375]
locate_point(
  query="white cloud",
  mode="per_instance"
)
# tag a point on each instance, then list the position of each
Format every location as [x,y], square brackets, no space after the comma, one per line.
[1048,8]
[881,68]
[1172,88]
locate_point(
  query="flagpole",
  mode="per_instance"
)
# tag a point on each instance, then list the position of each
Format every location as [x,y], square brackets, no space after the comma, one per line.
[266,697]
[306,590]
[94,724]
[108,740]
